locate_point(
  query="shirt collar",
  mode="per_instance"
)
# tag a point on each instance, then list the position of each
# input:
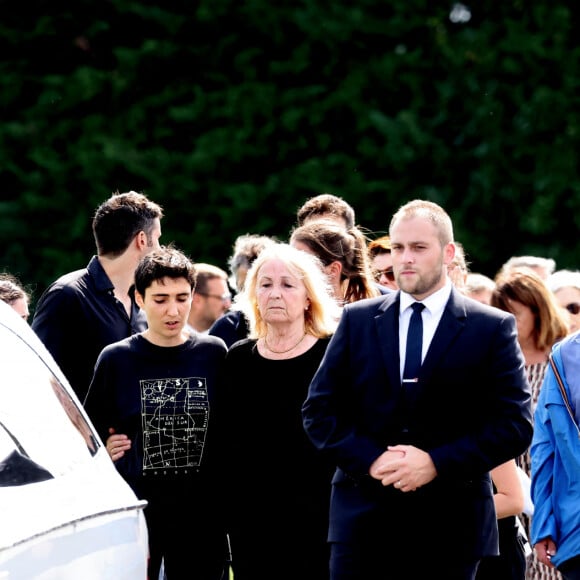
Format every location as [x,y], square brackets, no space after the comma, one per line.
[101,280]
[434,303]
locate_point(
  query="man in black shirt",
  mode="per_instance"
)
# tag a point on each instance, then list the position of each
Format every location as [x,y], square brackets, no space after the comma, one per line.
[84,311]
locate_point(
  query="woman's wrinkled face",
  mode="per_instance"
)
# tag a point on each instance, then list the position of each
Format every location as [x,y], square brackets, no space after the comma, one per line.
[281,295]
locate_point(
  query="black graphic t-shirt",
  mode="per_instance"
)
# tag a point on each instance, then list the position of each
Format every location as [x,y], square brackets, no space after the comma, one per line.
[162,398]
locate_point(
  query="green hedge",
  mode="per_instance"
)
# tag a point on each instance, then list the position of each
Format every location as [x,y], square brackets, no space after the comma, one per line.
[231,114]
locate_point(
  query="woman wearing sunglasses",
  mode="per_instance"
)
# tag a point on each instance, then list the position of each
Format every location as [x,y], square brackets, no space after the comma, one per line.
[379,251]
[565,284]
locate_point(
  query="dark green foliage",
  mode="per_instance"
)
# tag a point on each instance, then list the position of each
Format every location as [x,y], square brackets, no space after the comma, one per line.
[231,114]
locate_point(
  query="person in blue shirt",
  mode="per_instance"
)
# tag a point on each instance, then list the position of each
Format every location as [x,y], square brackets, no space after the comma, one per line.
[555,454]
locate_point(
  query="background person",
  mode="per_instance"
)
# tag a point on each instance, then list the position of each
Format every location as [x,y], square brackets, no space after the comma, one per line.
[99,300]
[246,249]
[555,453]
[540,324]
[565,285]
[15,294]
[343,256]
[233,325]
[414,457]
[212,297]
[326,206]
[458,268]
[479,287]
[543,267]
[508,497]
[379,251]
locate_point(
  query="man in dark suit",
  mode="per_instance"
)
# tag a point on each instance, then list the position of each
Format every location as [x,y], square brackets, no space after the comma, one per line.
[412,496]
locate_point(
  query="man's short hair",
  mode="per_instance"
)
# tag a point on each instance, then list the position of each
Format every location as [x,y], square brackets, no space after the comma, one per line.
[324,205]
[205,273]
[120,218]
[165,262]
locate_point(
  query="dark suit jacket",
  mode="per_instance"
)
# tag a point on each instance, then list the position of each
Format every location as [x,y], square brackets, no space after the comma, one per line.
[470,411]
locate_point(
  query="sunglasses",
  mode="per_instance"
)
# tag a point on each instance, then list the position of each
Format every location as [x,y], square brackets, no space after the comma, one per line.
[573,307]
[388,273]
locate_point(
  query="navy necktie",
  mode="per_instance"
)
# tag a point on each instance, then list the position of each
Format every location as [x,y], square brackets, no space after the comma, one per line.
[414,345]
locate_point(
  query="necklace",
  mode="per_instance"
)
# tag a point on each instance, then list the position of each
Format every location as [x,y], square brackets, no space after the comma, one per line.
[283,351]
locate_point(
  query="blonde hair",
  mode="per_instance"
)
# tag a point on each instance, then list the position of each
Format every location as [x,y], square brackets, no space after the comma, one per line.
[320,319]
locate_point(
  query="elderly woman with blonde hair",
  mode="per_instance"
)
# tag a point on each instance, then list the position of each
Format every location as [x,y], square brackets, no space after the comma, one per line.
[280,487]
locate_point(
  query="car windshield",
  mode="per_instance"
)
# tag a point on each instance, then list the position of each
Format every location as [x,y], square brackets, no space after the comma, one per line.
[43,432]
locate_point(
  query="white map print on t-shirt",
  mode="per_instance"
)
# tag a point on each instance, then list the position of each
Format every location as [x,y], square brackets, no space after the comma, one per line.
[175,416]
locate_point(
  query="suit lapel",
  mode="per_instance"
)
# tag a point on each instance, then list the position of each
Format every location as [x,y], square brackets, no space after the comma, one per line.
[387,325]
[451,324]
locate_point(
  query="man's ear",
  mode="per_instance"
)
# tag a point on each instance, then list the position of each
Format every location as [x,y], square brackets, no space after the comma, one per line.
[141,240]
[139,300]
[448,253]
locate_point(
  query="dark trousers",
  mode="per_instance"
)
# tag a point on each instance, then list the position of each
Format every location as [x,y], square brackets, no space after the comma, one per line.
[511,562]
[570,569]
[184,531]
[349,563]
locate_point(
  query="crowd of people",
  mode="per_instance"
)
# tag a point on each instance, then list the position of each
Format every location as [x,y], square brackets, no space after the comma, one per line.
[328,396]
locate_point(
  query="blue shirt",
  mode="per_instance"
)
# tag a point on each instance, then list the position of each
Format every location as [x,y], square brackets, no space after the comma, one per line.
[555,454]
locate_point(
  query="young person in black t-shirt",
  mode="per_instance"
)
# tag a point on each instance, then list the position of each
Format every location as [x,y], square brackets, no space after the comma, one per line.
[83,311]
[156,391]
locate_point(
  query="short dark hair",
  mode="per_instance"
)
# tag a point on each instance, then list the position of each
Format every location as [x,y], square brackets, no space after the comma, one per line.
[166,262]
[326,204]
[120,218]
[206,272]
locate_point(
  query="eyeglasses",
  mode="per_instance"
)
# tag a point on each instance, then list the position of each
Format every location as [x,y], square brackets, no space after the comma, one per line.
[388,273]
[573,307]
[223,297]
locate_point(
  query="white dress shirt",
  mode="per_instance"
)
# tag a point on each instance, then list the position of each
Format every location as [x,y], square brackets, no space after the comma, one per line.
[431,315]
